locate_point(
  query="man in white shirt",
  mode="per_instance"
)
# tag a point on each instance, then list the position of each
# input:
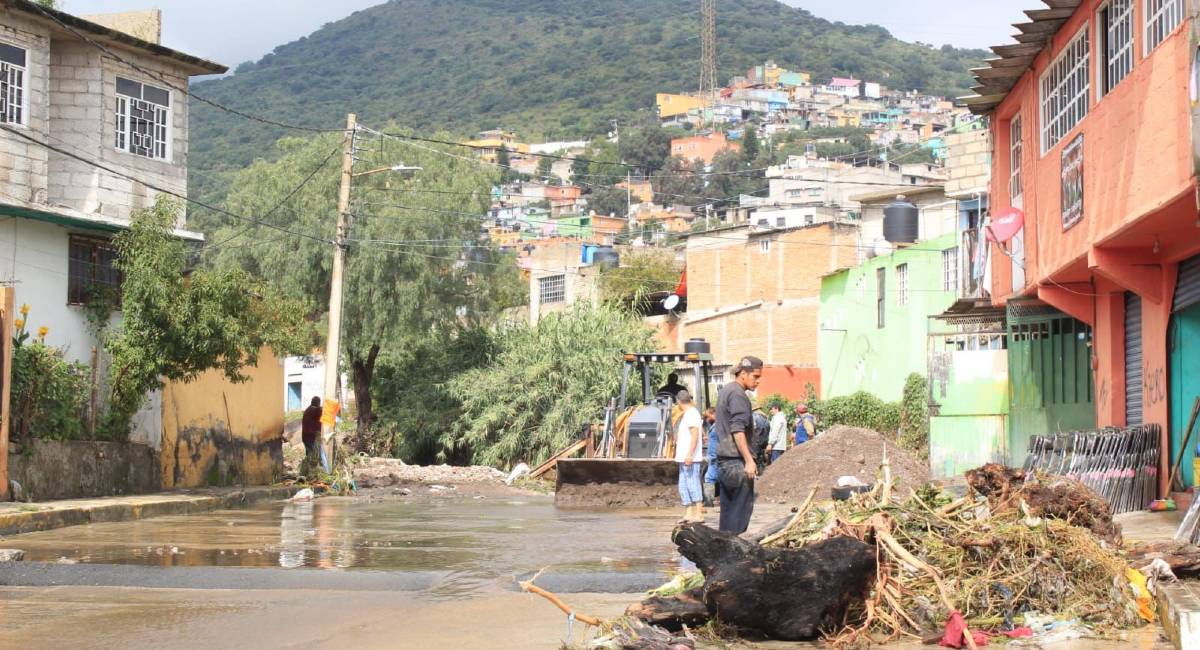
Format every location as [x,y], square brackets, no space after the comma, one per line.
[689,452]
[779,434]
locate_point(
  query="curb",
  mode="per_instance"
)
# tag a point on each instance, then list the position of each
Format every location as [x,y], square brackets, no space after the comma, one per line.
[1179,611]
[60,514]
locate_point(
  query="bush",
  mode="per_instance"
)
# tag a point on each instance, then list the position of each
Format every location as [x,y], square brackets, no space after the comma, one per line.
[49,394]
[544,383]
[906,422]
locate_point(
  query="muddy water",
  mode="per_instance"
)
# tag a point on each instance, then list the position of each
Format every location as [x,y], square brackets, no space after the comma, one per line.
[472,546]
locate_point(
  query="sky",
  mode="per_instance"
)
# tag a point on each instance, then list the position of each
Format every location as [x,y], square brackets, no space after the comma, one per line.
[235,31]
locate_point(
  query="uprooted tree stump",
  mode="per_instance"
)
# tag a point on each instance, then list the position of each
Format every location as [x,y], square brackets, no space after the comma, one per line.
[1052,497]
[786,594]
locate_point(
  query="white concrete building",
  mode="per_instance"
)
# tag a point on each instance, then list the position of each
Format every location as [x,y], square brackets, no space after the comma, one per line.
[58,212]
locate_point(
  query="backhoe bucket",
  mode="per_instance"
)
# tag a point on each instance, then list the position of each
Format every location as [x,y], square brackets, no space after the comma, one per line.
[617,483]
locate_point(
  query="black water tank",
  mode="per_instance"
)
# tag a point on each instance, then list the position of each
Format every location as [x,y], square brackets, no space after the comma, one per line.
[606,257]
[901,221]
[698,346]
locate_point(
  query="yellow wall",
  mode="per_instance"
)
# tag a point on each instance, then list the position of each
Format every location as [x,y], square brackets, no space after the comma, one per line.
[218,432]
[673,105]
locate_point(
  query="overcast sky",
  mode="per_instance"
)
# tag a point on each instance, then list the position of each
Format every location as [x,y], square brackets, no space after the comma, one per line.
[234,31]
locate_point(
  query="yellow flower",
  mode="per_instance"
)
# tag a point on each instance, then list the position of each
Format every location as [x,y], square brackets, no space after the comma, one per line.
[43,331]
[19,323]
[25,310]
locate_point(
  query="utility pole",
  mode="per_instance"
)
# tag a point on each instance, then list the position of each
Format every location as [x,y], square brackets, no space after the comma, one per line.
[334,342]
[708,57]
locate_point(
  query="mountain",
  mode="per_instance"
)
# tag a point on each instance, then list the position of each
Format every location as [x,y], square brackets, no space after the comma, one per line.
[547,68]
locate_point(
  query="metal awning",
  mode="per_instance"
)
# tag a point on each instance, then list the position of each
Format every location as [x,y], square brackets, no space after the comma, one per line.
[1012,61]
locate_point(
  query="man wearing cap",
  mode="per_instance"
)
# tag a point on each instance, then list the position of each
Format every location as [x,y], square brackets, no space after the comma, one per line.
[736,468]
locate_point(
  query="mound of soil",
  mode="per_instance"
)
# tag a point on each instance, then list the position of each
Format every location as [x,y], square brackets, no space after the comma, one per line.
[617,495]
[840,451]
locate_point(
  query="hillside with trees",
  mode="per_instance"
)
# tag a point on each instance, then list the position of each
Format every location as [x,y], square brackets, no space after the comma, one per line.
[550,68]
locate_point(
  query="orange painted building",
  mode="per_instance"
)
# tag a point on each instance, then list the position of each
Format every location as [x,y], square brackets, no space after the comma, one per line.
[1094,139]
[702,147]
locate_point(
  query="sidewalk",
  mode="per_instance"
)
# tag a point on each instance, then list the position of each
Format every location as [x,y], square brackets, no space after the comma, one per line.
[1178,603]
[17,518]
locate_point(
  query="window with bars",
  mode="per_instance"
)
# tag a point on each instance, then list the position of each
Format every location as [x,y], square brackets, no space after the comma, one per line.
[1116,30]
[1065,87]
[1162,17]
[91,270]
[902,284]
[552,288]
[13,73]
[143,119]
[949,269]
[1015,186]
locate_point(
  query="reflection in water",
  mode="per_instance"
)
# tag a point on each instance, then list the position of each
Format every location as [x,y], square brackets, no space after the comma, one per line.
[294,524]
[474,545]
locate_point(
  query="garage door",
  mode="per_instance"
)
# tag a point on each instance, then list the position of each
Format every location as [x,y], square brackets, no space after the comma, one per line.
[1133,359]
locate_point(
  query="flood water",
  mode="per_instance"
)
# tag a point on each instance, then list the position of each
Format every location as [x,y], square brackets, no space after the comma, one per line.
[468,545]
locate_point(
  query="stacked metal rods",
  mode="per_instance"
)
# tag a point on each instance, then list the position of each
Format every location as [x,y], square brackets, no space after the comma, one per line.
[1121,465]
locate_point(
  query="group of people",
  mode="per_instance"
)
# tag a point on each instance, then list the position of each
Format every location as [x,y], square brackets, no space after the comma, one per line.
[735,448]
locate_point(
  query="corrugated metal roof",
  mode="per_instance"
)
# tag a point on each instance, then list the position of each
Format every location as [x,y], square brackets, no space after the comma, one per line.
[993,83]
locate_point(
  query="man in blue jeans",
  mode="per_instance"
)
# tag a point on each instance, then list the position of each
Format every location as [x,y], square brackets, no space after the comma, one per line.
[710,475]
[736,466]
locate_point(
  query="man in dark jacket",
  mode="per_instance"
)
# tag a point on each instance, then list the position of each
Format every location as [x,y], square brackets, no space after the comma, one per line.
[736,466]
[310,428]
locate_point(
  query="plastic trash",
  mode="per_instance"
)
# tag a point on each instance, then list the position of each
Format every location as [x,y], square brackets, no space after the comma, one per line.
[304,495]
[850,481]
[517,472]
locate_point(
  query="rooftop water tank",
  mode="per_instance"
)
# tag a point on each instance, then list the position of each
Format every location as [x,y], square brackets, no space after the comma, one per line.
[901,221]
[606,257]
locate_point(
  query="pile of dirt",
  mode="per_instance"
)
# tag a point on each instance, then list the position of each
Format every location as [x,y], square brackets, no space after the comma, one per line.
[840,451]
[617,495]
[386,472]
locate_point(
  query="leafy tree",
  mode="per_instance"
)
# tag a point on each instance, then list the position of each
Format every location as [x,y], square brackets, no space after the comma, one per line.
[646,145]
[750,146]
[414,266]
[545,167]
[609,200]
[543,383]
[678,182]
[176,326]
[504,163]
[640,274]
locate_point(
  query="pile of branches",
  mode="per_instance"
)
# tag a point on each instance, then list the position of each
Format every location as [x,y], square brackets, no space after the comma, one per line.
[992,561]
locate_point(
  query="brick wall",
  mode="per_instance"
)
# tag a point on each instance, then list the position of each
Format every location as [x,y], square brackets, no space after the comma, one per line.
[747,298]
[968,162]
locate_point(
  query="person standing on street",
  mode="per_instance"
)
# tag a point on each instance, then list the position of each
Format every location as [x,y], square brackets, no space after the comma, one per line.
[736,469]
[310,430]
[710,474]
[806,424]
[688,453]
[777,442]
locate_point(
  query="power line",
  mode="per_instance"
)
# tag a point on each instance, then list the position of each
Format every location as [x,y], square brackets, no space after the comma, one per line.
[70,154]
[53,15]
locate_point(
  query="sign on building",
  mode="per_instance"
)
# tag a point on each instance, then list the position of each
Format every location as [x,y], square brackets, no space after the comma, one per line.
[1072,182]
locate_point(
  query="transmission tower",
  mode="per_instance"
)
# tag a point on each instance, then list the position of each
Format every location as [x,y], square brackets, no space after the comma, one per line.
[708,55]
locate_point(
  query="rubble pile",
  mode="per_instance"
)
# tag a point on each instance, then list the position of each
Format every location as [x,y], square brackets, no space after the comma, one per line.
[839,451]
[992,558]
[386,472]
[1012,552]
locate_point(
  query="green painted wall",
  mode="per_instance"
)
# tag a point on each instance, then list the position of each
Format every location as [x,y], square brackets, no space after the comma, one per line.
[968,407]
[1050,378]
[854,353]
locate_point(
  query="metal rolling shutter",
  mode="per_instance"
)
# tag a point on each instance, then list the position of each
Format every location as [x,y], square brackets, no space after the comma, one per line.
[1187,288]
[1133,359]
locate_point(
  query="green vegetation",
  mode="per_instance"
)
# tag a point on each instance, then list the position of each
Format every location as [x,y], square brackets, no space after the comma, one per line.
[49,393]
[543,384]
[906,422]
[175,326]
[415,270]
[641,273]
[551,68]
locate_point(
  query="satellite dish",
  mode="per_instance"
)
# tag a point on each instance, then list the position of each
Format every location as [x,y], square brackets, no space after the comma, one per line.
[671,302]
[1005,225]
